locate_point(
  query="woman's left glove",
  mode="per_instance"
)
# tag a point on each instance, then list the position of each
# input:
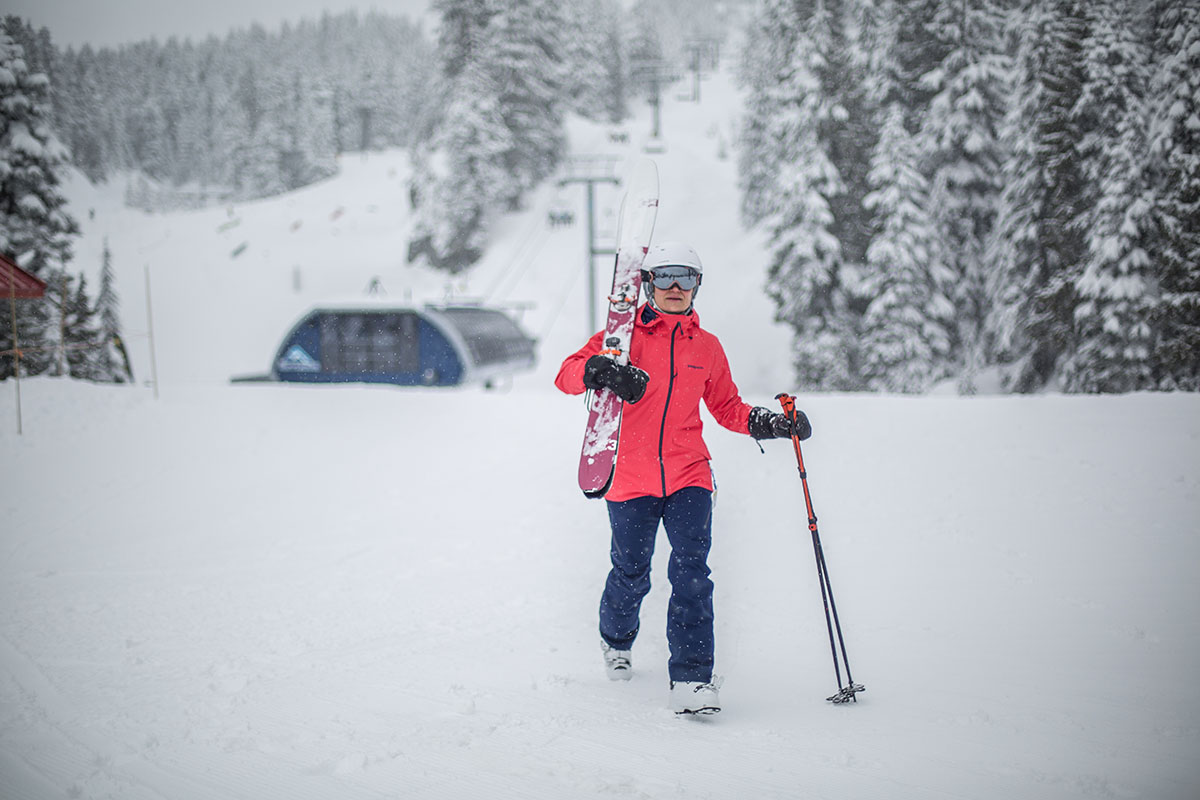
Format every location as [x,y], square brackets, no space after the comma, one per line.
[767,424]
[625,380]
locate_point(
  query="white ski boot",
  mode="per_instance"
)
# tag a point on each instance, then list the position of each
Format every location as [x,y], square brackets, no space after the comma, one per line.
[694,697]
[618,663]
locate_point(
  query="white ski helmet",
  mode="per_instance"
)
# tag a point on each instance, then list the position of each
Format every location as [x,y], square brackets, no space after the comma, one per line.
[672,254]
[669,254]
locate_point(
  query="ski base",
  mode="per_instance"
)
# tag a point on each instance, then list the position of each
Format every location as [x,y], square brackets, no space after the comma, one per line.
[707,711]
[847,694]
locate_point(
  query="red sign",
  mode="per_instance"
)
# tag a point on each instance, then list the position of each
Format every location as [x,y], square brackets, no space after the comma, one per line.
[13,277]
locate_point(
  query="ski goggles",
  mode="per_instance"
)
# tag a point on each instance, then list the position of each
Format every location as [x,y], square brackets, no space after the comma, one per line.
[685,278]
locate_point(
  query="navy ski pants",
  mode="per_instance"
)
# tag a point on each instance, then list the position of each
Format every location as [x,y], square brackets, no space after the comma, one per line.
[687,517]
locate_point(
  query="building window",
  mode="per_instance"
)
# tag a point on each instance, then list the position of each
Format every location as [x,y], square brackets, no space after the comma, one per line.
[370,342]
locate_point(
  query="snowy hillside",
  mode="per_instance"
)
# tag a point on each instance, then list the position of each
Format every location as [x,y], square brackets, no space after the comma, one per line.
[219,314]
[261,591]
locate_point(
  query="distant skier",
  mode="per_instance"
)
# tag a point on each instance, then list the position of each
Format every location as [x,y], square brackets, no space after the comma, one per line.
[663,473]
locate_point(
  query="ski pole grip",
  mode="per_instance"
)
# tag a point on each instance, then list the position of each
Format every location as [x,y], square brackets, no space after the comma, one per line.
[789,404]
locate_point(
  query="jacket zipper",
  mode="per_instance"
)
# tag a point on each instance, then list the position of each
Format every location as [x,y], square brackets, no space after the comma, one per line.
[662,430]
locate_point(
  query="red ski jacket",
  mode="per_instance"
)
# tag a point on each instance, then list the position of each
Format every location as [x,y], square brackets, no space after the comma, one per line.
[661,449]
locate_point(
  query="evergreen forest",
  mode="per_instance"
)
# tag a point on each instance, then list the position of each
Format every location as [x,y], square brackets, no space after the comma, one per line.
[1001,194]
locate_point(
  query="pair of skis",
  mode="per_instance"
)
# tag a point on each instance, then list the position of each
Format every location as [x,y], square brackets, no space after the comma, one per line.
[598,458]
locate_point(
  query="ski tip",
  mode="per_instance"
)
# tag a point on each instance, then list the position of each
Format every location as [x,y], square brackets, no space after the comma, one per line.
[597,492]
[644,172]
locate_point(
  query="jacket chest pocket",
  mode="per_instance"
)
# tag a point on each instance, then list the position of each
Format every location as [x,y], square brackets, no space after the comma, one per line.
[691,376]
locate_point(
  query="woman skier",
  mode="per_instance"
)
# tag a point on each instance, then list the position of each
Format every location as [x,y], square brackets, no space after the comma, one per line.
[662,473]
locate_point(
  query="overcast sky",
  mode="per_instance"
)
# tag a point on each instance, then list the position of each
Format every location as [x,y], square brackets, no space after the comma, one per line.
[103,23]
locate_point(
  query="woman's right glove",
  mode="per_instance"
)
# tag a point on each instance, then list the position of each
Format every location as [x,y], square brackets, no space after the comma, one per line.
[625,380]
[767,424]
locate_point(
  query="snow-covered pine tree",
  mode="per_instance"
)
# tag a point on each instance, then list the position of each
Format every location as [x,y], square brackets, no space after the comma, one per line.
[1036,246]
[198,137]
[175,98]
[812,290]
[146,132]
[1116,287]
[400,55]
[459,180]
[616,65]
[525,58]
[80,332]
[820,128]
[257,161]
[502,131]
[223,124]
[906,329]
[308,150]
[35,229]
[57,300]
[468,139]
[462,31]
[771,38]
[646,56]
[111,360]
[848,133]
[79,114]
[1175,173]
[593,51]
[961,155]
[24,35]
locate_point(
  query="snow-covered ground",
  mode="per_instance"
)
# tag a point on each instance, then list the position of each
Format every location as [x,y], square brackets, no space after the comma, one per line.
[261,591]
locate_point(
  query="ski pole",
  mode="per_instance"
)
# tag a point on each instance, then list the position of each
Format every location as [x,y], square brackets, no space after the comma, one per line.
[848,692]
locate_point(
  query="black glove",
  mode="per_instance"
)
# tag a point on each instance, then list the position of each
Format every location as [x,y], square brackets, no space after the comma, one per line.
[766,424]
[625,380]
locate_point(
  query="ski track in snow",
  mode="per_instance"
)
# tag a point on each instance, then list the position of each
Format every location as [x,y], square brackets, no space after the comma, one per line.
[346,592]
